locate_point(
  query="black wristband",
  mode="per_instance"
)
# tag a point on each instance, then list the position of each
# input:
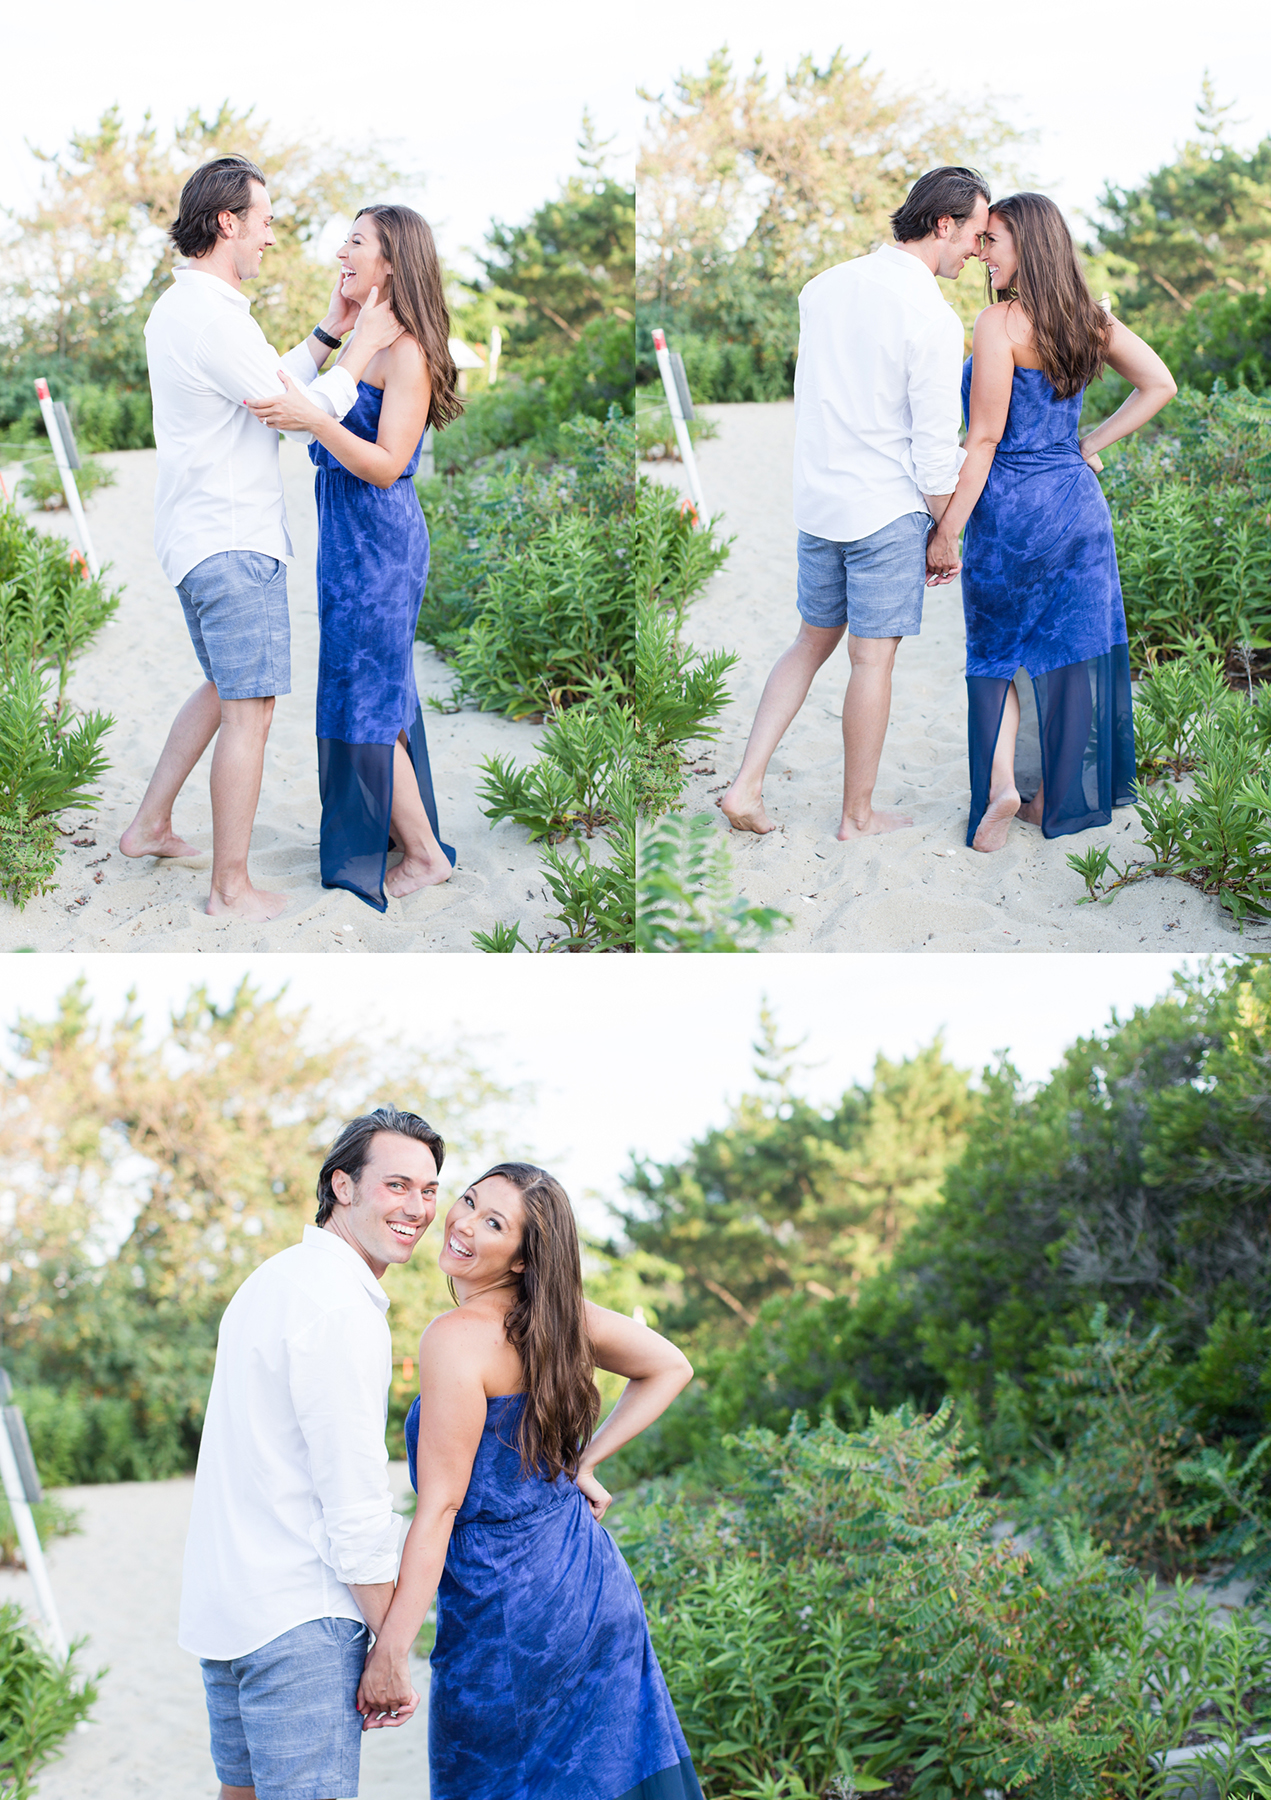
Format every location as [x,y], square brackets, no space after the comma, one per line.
[324,337]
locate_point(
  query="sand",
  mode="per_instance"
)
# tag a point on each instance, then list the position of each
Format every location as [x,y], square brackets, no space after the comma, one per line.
[118,1584]
[142,667]
[921,888]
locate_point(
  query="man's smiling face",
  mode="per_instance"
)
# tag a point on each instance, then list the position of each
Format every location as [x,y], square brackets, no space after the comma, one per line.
[385,1212]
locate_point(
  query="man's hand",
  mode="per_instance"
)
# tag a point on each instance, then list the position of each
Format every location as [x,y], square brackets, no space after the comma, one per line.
[386,1694]
[943,562]
[597,1497]
[292,411]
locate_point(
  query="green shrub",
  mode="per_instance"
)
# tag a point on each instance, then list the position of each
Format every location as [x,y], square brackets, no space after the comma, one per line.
[45,767]
[685,892]
[42,482]
[52,1519]
[40,1703]
[79,1438]
[50,607]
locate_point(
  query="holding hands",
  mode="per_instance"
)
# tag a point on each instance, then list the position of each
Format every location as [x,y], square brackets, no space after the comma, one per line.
[943,562]
[386,1695]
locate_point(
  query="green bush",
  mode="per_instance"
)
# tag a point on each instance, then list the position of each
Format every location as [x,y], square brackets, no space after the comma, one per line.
[841,1614]
[1190,507]
[50,607]
[685,893]
[43,482]
[40,1703]
[79,1438]
[45,767]
[52,1519]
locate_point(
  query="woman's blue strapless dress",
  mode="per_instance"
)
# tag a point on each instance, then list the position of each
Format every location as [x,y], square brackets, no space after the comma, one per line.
[544,1680]
[372,567]
[1041,592]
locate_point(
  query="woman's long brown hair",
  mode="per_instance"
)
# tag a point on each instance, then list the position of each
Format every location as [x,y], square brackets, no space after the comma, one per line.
[418,300]
[1070,331]
[547,1327]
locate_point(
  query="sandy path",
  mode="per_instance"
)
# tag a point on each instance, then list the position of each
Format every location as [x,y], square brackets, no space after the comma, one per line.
[142,667]
[118,1583]
[919,889]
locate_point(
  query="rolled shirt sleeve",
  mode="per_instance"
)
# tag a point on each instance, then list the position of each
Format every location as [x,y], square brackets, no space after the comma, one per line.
[935,402]
[337,1371]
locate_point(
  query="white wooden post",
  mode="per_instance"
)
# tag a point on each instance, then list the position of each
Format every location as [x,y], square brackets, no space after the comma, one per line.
[68,478]
[29,1538]
[496,350]
[680,423]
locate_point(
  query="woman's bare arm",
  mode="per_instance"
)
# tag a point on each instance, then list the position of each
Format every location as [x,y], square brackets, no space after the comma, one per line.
[992,373]
[1154,387]
[403,415]
[656,1372]
[452,1413]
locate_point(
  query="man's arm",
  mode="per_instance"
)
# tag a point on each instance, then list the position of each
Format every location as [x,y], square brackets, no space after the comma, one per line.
[235,358]
[935,375]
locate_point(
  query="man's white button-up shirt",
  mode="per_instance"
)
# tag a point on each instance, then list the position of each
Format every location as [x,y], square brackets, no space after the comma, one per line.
[218,483]
[291,1497]
[876,395]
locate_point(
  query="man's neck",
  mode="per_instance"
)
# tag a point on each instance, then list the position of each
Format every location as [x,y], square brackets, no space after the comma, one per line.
[335,1225]
[926,250]
[218,264]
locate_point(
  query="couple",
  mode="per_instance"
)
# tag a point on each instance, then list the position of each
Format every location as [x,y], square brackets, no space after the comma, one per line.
[220,399]
[882,491]
[544,1680]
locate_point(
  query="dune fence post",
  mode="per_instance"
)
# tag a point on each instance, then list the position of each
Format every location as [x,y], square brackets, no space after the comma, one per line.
[58,426]
[678,399]
[22,1488]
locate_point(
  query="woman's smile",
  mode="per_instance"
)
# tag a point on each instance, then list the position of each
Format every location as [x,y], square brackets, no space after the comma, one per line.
[457,1249]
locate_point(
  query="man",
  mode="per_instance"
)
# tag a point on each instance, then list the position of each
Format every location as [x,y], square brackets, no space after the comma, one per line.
[876,460]
[293,1544]
[220,523]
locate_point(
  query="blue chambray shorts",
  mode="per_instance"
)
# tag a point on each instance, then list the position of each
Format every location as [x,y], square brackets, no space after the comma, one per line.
[284,1718]
[236,609]
[874,585]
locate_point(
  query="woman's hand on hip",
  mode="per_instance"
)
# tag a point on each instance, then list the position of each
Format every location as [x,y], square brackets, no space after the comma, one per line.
[1091,456]
[376,326]
[597,1497]
[292,411]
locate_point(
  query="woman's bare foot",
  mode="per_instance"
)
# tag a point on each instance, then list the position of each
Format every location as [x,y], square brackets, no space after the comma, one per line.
[745,812]
[875,824]
[137,841]
[996,822]
[414,872]
[253,904]
[1031,810]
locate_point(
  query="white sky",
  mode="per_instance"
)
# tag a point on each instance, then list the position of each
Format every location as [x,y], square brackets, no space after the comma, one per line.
[626,1055]
[1110,85]
[485,102]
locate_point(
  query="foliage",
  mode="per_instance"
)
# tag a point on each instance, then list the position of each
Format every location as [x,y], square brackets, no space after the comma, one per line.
[655,433]
[1222,336]
[787,1197]
[45,767]
[28,849]
[572,262]
[148,1182]
[841,1612]
[1187,512]
[685,893]
[1195,226]
[41,1701]
[1231,1503]
[42,481]
[748,188]
[50,606]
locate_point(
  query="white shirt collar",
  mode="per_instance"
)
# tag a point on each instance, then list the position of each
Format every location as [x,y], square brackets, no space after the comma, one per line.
[213,283]
[314,1235]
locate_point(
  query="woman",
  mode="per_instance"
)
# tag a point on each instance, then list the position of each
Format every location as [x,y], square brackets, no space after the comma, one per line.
[1040,585]
[543,1677]
[373,770]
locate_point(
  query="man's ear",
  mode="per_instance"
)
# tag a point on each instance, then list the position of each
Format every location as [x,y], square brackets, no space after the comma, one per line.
[343,1187]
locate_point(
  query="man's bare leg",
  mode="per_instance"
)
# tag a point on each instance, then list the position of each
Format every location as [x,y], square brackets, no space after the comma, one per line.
[425,863]
[866,710]
[236,769]
[193,729]
[992,831]
[237,1793]
[784,693]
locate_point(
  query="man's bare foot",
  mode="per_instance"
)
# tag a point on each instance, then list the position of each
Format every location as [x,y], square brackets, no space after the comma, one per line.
[744,813]
[996,823]
[138,842]
[252,904]
[414,872]
[1031,811]
[874,826]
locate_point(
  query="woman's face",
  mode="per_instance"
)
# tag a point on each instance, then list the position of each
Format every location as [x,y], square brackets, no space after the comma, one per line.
[363,262]
[483,1234]
[997,253]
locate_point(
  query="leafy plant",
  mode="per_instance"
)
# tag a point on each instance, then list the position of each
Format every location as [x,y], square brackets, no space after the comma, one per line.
[52,1519]
[44,769]
[1231,1503]
[686,898]
[40,1702]
[42,481]
[50,607]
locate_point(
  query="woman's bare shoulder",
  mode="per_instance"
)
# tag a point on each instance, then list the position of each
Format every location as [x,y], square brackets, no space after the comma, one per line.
[467,1331]
[405,358]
